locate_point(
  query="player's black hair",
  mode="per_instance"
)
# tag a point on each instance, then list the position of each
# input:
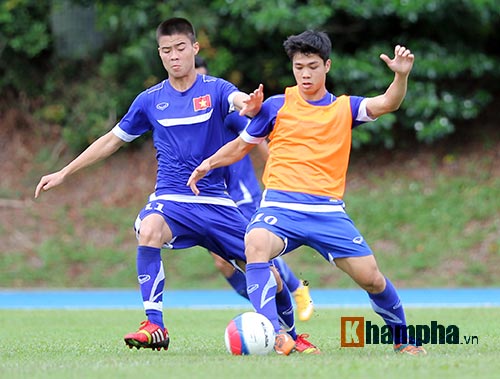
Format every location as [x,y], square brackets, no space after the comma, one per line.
[309,42]
[176,25]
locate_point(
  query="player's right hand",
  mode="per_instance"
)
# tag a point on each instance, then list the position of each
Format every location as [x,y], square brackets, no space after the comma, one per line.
[197,174]
[253,103]
[49,181]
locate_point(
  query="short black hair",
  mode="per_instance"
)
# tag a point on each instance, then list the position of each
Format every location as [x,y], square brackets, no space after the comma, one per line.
[199,62]
[309,42]
[176,25]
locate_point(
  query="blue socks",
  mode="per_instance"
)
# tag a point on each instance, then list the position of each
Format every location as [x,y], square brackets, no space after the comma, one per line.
[292,282]
[238,281]
[388,306]
[284,307]
[151,279]
[239,284]
[261,289]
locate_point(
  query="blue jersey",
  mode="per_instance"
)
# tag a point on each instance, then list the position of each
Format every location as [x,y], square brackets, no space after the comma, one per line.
[187,127]
[242,183]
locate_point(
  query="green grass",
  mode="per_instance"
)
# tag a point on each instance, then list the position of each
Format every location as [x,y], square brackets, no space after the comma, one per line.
[87,344]
[429,225]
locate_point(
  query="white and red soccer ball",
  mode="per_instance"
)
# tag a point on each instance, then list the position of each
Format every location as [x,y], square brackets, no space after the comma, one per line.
[249,333]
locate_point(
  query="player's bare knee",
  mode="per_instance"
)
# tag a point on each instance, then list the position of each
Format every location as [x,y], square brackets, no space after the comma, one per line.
[149,236]
[373,282]
[220,264]
[225,268]
[254,253]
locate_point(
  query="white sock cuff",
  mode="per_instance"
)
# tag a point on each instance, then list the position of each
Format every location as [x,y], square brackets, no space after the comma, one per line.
[152,305]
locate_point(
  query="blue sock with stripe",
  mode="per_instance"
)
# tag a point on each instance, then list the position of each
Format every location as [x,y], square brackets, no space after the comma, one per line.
[387,305]
[284,307]
[151,279]
[261,289]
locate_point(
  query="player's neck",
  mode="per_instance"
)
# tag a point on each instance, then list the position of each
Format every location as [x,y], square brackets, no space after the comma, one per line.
[183,83]
[312,96]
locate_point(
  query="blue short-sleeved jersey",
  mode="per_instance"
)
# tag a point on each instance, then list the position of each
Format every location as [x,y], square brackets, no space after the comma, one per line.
[187,127]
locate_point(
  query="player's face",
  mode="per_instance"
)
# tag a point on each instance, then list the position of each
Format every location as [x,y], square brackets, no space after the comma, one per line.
[310,74]
[177,54]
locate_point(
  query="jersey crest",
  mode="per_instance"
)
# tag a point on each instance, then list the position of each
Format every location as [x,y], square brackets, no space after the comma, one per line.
[201,103]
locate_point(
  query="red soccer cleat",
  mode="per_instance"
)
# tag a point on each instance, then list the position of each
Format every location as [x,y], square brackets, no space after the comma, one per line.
[149,336]
[410,349]
[302,345]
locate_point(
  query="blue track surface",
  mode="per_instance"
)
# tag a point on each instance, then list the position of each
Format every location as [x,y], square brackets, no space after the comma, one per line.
[323,298]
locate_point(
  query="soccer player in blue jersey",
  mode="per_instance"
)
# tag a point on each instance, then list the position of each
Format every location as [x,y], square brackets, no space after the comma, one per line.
[310,140]
[185,114]
[244,188]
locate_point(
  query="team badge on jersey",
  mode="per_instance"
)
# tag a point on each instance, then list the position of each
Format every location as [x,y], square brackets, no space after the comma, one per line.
[202,103]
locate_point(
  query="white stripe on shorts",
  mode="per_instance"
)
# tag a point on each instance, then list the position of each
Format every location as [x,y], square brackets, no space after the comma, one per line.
[195,199]
[303,207]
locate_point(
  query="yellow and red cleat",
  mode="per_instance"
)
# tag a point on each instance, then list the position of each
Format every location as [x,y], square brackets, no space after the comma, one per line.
[303,301]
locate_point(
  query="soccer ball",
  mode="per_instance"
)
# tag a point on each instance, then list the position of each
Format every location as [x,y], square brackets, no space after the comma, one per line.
[249,333]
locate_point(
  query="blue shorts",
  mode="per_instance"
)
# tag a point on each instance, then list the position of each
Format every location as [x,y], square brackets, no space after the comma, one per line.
[332,234]
[218,228]
[248,209]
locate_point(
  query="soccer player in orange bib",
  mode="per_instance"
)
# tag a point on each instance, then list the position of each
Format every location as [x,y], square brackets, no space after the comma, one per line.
[309,130]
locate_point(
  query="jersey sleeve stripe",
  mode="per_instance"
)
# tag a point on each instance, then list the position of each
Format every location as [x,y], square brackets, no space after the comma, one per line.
[230,100]
[363,113]
[124,136]
[249,139]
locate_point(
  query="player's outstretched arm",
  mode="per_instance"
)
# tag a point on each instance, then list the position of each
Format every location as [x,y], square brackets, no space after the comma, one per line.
[390,101]
[228,154]
[99,150]
[259,156]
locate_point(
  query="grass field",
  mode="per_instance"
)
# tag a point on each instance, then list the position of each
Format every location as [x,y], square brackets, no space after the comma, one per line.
[88,344]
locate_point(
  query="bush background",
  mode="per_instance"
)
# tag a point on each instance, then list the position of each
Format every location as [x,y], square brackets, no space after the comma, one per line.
[78,64]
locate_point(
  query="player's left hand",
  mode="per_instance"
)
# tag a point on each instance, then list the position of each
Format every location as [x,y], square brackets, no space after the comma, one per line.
[402,62]
[198,174]
[49,181]
[253,103]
